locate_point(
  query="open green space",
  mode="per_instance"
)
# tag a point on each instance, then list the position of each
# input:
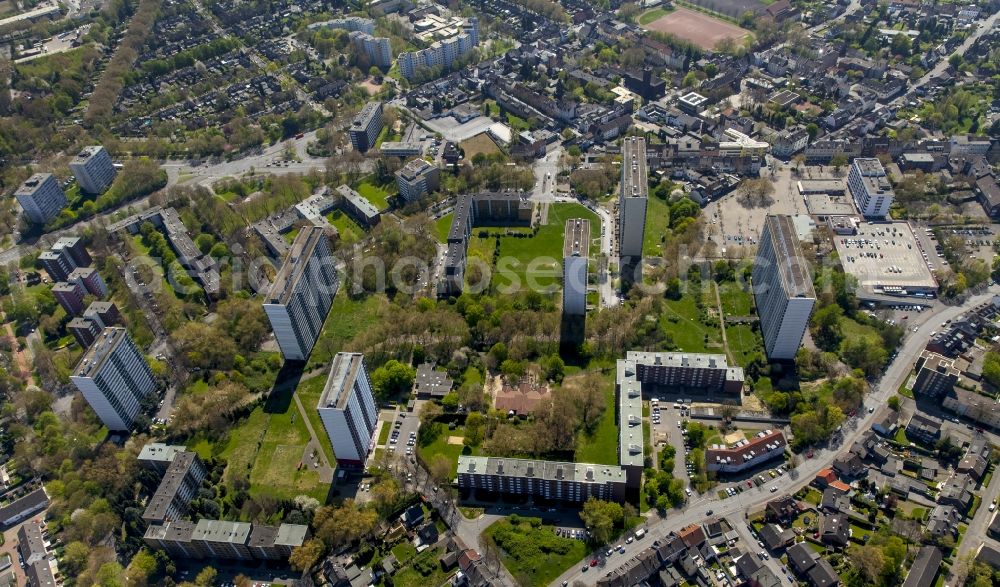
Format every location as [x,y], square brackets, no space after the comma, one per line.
[532,552]
[383,435]
[601,446]
[441,446]
[534,262]
[652,14]
[309,392]
[424,570]
[657,226]
[442,226]
[681,320]
[374,193]
[348,316]
[744,343]
[735,301]
[349,231]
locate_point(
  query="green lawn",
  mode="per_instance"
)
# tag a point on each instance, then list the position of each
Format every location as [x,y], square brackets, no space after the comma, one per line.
[383,436]
[348,316]
[735,301]
[309,392]
[425,570]
[652,14]
[744,343]
[376,194]
[442,226]
[534,555]
[534,262]
[349,230]
[657,226]
[681,321]
[601,447]
[404,551]
[440,446]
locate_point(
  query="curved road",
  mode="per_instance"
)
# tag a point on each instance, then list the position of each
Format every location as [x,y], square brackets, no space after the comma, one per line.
[696,510]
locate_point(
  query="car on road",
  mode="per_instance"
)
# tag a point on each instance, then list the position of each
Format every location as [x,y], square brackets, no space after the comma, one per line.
[593,562]
[708,513]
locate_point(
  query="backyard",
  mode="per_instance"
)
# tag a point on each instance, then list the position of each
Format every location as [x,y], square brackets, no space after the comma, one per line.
[657,225]
[348,230]
[601,446]
[531,551]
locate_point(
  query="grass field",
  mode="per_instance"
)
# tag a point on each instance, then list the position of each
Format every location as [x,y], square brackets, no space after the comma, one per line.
[535,262]
[534,555]
[601,447]
[681,321]
[349,230]
[309,392]
[442,226]
[735,301]
[347,317]
[427,560]
[652,14]
[376,194]
[480,143]
[657,224]
[440,446]
[744,343]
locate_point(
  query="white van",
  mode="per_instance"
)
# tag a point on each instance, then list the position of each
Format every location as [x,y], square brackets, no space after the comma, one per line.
[640,533]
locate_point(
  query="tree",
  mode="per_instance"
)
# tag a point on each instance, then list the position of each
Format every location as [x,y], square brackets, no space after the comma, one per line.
[689,80]
[867,561]
[439,468]
[601,518]
[204,346]
[305,556]
[142,567]
[339,526]
[392,379]
[893,403]
[206,577]
[385,495]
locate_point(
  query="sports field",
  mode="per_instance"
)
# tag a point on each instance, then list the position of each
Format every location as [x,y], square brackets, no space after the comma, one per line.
[700,29]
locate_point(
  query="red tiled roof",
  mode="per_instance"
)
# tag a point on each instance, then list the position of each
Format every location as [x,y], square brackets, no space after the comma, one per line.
[755,445]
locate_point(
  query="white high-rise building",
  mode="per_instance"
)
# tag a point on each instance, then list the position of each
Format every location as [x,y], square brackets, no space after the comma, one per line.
[41,197]
[441,53]
[377,49]
[302,294]
[782,288]
[114,378]
[347,409]
[93,169]
[870,188]
[632,198]
[576,247]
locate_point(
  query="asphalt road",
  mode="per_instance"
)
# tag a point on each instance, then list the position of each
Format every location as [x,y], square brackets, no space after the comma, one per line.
[738,507]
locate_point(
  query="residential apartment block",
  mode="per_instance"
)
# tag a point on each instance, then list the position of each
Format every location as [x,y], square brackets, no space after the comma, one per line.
[576,258]
[40,197]
[225,540]
[782,288]
[747,453]
[348,411]
[572,482]
[70,296]
[302,294]
[114,378]
[365,128]
[90,280]
[936,374]
[870,187]
[417,179]
[632,197]
[178,487]
[93,169]
[376,49]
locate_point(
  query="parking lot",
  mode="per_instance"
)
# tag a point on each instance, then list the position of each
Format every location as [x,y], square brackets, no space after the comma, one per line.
[886,257]
[664,418]
[401,445]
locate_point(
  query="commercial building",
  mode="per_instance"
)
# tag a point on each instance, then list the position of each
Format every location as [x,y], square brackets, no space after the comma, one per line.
[366,127]
[348,411]
[417,179]
[936,374]
[632,197]
[745,454]
[885,259]
[70,296]
[114,378]
[40,197]
[401,149]
[84,330]
[870,187]
[302,294]
[576,258]
[93,169]
[90,280]
[572,482]
[742,145]
[177,488]
[782,288]
[376,49]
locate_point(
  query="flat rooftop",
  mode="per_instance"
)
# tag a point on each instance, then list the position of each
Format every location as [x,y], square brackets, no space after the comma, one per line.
[221,531]
[833,187]
[359,202]
[31,185]
[545,470]
[363,119]
[97,353]
[157,451]
[792,267]
[630,435]
[294,266]
[340,381]
[885,255]
[576,239]
[414,169]
[86,153]
[634,168]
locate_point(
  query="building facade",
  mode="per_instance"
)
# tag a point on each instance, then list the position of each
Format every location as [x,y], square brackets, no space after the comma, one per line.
[348,411]
[571,482]
[870,187]
[377,49]
[70,296]
[632,198]
[936,374]
[93,169]
[417,179]
[782,288]
[576,258]
[366,127]
[90,280]
[114,378]
[302,294]
[441,54]
[40,197]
